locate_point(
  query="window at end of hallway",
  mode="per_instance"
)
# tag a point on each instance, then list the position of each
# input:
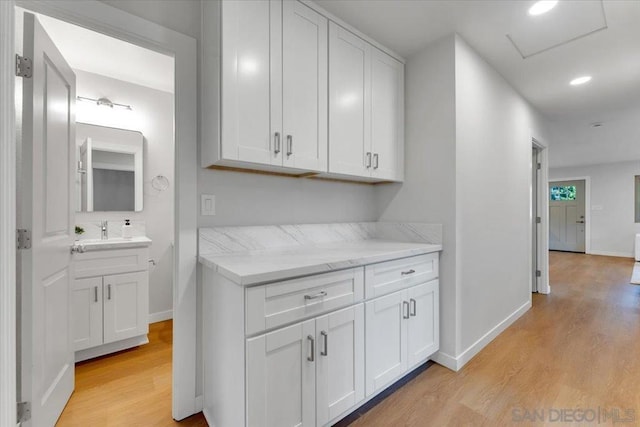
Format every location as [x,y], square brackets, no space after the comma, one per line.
[637,192]
[563,193]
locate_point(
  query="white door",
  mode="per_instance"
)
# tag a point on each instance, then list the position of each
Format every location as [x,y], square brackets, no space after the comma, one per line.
[349,101]
[252,81]
[386,340]
[567,216]
[281,372]
[387,116]
[304,36]
[424,329]
[87,313]
[47,209]
[126,306]
[340,370]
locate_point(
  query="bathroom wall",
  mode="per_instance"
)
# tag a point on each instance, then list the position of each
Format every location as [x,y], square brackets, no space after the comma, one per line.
[152,115]
[613,225]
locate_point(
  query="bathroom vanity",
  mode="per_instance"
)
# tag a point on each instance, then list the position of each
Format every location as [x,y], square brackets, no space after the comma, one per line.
[110,299]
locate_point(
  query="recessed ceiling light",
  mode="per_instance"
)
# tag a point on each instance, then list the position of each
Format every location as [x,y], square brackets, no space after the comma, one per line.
[580,80]
[542,6]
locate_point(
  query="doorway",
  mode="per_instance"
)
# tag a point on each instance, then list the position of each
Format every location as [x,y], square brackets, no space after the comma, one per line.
[567,215]
[536,218]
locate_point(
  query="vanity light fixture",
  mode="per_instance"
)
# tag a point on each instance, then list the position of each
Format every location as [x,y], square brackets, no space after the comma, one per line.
[542,6]
[105,102]
[580,80]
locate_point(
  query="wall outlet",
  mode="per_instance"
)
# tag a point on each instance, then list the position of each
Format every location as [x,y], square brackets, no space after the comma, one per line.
[207,204]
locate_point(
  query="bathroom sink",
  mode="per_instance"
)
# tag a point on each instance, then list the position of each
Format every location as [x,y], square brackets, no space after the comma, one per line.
[109,244]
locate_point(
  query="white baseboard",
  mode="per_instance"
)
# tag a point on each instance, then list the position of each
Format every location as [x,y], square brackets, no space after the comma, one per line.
[160,316]
[456,363]
[612,253]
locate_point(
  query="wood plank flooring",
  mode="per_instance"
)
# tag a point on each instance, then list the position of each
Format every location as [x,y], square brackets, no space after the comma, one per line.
[130,388]
[576,348]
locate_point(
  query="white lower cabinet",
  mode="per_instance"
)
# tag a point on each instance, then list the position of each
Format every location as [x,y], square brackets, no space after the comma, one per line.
[308,373]
[402,331]
[87,312]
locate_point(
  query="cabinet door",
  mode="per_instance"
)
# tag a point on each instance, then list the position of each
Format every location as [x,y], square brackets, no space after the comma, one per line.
[386,340]
[387,116]
[87,313]
[340,369]
[251,90]
[304,33]
[281,376]
[349,98]
[126,306]
[424,328]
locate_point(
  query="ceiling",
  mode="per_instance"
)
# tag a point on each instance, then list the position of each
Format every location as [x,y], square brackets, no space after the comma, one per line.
[606,46]
[97,53]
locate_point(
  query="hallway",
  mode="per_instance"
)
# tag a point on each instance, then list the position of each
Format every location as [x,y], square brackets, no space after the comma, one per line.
[575,348]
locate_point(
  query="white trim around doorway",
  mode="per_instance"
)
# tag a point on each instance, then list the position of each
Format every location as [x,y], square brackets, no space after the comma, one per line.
[108,20]
[587,207]
[543,210]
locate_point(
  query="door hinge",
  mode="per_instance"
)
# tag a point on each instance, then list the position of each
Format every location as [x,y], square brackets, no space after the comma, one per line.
[23,239]
[538,220]
[538,273]
[539,166]
[24,411]
[24,66]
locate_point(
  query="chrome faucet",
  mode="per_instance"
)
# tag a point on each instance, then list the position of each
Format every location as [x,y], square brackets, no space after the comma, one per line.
[104,228]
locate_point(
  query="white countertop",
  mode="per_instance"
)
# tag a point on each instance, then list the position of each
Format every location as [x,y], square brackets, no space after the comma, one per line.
[108,244]
[256,267]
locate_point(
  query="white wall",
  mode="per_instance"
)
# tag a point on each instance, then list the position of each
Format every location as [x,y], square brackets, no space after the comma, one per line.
[494,127]
[468,166]
[613,227]
[428,193]
[153,116]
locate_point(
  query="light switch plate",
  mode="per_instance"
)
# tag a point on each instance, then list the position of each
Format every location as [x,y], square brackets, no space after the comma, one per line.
[207,204]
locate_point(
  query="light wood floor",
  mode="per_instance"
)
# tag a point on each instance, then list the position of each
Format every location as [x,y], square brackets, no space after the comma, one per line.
[130,388]
[576,348]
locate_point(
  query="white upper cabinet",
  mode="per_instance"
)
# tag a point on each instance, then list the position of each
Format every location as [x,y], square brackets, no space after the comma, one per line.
[387,117]
[304,82]
[285,89]
[349,93]
[251,57]
[366,109]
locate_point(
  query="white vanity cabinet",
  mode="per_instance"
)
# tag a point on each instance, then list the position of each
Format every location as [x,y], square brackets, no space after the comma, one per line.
[366,109]
[288,90]
[308,351]
[273,99]
[110,301]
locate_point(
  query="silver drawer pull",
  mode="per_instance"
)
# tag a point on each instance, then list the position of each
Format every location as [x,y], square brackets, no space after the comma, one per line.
[313,348]
[405,309]
[109,291]
[325,336]
[289,145]
[276,149]
[95,294]
[318,295]
[405,273]
[412,310]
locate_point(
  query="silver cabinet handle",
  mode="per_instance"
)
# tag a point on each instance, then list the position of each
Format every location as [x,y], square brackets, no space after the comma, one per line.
[406,273]
[405,309]
[109,291]
[412,310]
[312,358]
[325,336]
[289,145]
[368,160]
[318,295]
[375,161]
[95,294]
[276,144]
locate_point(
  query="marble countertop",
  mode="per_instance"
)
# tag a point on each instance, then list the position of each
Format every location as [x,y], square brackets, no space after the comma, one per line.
[88,245]
[257,267]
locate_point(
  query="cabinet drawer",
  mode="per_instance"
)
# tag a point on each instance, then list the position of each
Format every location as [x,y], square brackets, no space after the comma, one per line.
[391,276]
[279,303]
[101,263]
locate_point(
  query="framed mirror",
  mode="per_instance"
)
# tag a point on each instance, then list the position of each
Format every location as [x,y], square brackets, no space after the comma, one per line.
[110,169]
